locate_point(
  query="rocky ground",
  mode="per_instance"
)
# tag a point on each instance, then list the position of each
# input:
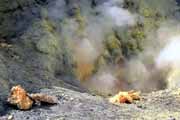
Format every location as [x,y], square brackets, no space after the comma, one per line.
[73,105]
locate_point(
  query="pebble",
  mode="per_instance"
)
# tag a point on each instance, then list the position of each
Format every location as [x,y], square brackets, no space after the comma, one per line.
[10,117]
[172,118]
[71,99]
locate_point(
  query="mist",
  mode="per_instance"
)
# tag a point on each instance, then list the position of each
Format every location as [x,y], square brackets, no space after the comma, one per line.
[169,57]
[169,54]
[146,71]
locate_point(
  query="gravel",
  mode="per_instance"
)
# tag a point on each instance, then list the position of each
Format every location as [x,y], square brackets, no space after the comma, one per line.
[73,105]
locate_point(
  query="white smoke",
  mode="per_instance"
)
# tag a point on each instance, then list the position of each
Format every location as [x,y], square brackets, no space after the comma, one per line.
[169,57]
[111,15]
[57,9]
[137,74]
[170,54]
[86,51]
[104,82]
[90,46]
[116,14]
[120,16]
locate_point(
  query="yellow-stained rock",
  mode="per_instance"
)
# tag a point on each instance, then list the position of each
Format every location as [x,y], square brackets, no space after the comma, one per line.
[19,97]
[44,98]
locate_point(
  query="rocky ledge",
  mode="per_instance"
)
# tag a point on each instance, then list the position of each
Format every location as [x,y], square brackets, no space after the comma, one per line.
[74,105]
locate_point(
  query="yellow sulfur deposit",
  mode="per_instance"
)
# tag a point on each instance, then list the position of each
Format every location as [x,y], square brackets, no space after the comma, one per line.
[125,97]
[19,97]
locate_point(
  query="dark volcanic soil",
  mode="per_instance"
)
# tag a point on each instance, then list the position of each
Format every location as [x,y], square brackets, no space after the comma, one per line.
[72,105]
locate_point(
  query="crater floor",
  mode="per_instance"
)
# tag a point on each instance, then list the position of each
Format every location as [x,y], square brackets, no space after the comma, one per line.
[73,105]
